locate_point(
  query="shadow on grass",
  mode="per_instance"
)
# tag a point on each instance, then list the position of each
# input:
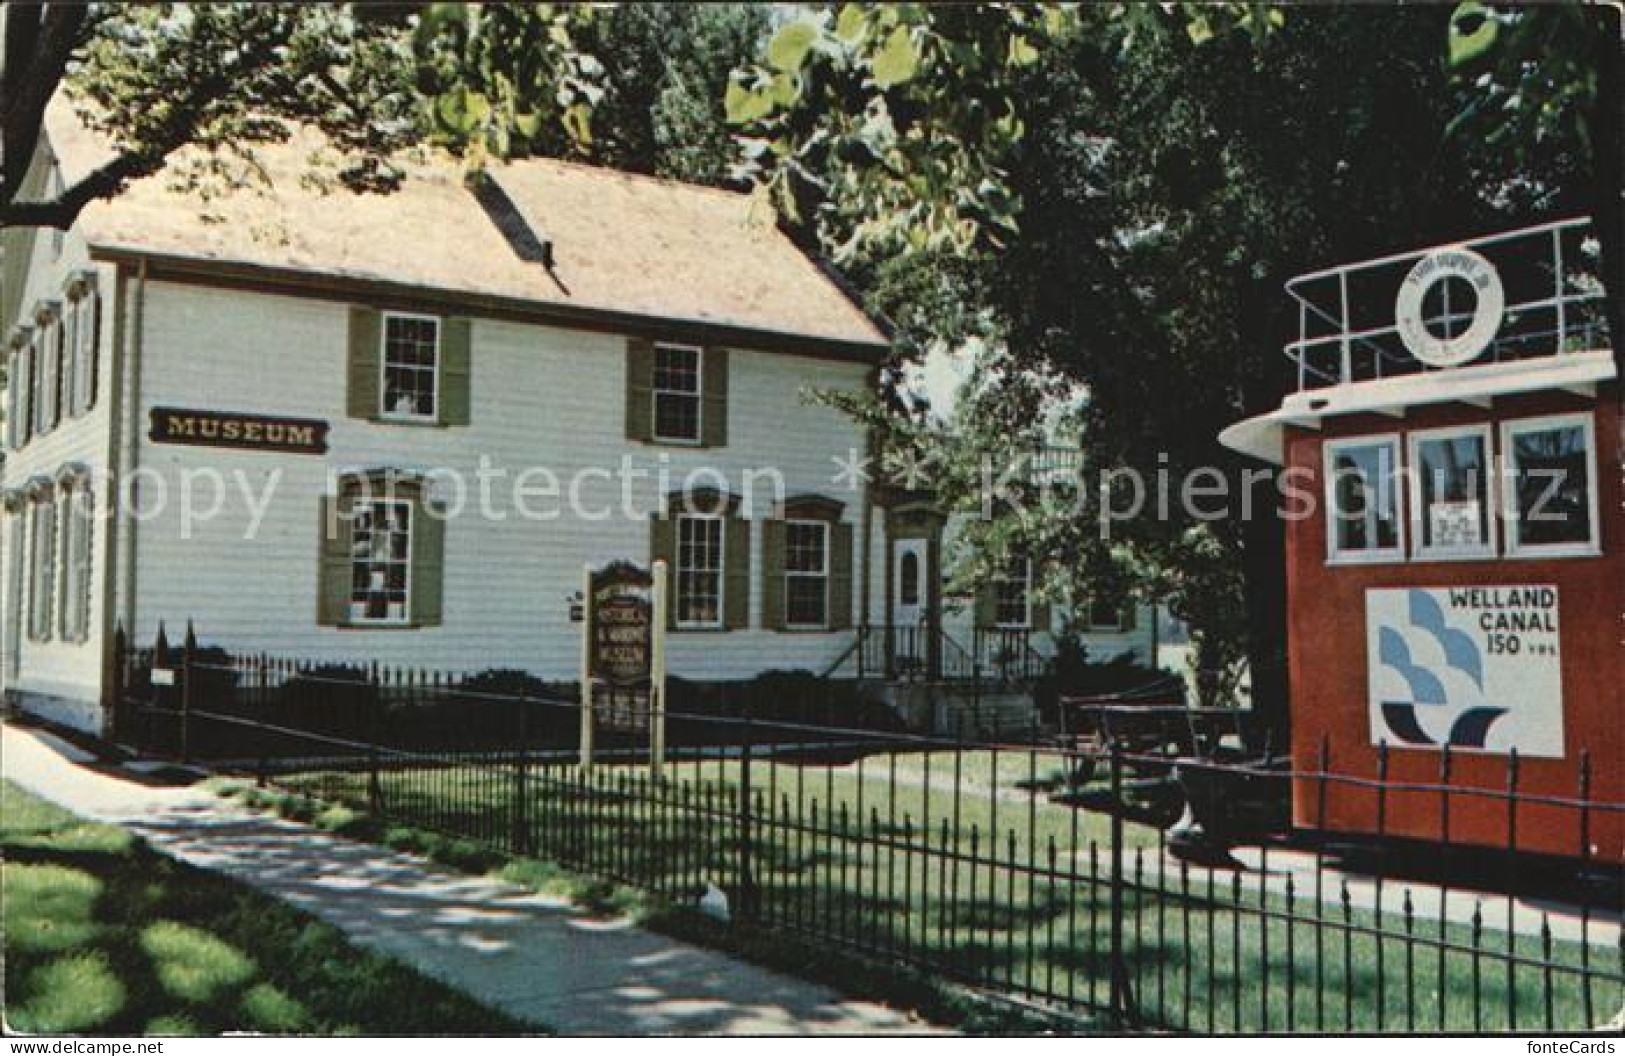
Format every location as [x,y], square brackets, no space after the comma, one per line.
[105,936]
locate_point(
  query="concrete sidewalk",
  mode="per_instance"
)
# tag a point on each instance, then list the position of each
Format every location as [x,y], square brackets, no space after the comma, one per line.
[535,957]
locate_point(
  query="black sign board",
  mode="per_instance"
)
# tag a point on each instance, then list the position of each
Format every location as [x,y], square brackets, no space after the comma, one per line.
[620,625]
[298,436]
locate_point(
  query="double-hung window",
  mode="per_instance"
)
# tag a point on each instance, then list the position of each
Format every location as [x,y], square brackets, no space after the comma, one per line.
[1105,614]
[1362,500]
[1012,598]
[411,368]
[806,574]
[381,561]
[1551,486]
[42,561]
[46,403]
[699,571]
[676,393]
[1451,515]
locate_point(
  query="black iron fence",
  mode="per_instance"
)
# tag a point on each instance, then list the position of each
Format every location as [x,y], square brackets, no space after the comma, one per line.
[1037,872]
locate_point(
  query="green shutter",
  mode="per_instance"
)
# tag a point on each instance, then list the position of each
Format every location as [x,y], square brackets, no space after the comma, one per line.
[714,398]
[640,372]
[987,605]
[366,330]
[94,359]
[773,542]
[1041,615]
[428,565]
[736,574]
[840,576]
[333,571]
[456,368]
[663,547]
[1130,615]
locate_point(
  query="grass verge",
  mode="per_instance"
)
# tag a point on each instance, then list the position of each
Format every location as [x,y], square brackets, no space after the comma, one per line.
[103,935]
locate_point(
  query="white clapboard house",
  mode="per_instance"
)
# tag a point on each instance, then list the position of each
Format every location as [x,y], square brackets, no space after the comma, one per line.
[270,414]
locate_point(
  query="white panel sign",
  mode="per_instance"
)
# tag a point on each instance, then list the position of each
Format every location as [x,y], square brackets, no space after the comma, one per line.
[1473,667]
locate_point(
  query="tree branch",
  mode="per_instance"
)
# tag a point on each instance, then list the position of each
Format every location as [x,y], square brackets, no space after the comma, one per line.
[23,112]
[65,208]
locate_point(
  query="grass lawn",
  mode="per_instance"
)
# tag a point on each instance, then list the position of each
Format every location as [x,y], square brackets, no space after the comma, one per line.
[103,935]
[1000,889]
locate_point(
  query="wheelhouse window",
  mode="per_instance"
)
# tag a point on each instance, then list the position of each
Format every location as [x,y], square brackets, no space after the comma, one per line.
[699,571]
[806,574]
[381,561]
[1450,489]
[676,393]
[1551,491]
[411,367]
[1012,601]
[1362,499]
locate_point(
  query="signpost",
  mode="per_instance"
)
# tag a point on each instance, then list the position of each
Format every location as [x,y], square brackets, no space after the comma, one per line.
[623,655]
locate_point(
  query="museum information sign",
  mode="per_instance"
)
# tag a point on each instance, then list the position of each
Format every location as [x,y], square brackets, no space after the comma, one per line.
[621,626]
[1472,667]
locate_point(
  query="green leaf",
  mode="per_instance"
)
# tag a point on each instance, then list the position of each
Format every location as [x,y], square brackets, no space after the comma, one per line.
[789,47]
[849,23]
[1473,29]
[743,105]
[1022,52]
[897,60]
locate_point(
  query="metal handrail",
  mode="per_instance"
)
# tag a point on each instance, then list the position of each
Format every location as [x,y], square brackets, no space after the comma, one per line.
[1574,311]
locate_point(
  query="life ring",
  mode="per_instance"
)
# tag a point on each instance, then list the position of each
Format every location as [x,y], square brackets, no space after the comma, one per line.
[1452,262]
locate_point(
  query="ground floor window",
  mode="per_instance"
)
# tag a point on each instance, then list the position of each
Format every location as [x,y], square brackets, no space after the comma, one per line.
[1012,606]
[1105,615]
[381,561]
[806,574]
[42,565]
[78,524]
[699,571]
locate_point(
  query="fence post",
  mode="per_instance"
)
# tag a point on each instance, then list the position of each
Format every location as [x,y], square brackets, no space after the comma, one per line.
[747,878]
[375,785]
[188,651]
[1122,995]
[521,810]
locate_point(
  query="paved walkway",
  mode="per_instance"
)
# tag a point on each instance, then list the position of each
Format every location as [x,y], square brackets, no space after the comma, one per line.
[535,957]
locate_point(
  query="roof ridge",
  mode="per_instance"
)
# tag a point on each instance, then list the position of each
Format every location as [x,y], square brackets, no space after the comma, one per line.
[646,177]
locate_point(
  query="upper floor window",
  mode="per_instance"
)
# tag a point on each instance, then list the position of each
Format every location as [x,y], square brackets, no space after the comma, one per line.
[84,325]
[699,571]
[676,393]
[1551,492]
[411,367]
[1013,596]
[1450,493]
[806,574]
[1362,499]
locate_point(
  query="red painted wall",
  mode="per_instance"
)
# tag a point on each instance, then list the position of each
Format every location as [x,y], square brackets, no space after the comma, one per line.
[1328,661]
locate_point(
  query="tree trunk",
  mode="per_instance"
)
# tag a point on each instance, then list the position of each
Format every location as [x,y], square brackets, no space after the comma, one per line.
[1608,215]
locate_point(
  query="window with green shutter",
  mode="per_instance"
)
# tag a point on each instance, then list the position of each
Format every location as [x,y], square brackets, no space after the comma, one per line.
[705,543]
[381,555]
[807,567]
[409,368]
[676,393]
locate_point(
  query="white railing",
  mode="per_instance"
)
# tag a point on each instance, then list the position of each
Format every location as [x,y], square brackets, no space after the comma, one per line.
[1347,330]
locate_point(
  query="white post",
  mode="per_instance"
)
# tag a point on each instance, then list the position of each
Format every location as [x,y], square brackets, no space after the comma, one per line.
[657,673]
[586,665]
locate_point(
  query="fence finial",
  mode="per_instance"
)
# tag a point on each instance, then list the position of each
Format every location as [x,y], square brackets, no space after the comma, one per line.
[160,647]
[189,644]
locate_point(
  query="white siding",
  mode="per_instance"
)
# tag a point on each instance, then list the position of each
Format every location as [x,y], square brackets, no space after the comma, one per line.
[540,396]
[62,680]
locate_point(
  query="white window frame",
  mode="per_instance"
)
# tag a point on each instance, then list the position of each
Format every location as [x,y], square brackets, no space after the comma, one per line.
[405,618]
[387,413]
[721,619]
[823,576]
[1026,580]
[1377,555]
[698,395]
[84,352]
[1510,429]
[1420,550]
[50,386]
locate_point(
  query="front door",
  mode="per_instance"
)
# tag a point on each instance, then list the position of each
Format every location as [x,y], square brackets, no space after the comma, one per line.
[910,598]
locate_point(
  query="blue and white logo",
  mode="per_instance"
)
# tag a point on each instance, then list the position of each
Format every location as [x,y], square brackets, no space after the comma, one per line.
[1471,667]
